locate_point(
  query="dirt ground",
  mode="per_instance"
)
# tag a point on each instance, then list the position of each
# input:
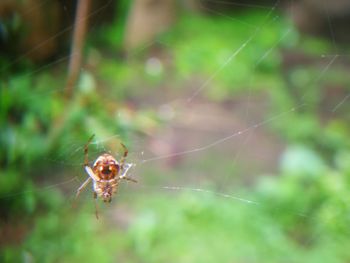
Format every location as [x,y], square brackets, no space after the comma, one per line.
[231,133]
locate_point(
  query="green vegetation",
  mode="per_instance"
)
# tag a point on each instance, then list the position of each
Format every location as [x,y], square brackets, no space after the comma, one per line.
[300,214]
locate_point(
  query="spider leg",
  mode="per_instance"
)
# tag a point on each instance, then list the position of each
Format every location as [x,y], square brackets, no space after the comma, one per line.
[123,175]
[122,160]
[82,187]
[128,179]
[122,163]
[86,150]
[91,173]
[96,206]
[87,168]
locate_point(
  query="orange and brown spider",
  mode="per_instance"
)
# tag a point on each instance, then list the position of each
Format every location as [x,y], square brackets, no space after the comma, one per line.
[106,174]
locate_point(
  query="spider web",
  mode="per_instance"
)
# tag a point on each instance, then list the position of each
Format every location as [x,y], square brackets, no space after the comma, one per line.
[140,159]
[198,129]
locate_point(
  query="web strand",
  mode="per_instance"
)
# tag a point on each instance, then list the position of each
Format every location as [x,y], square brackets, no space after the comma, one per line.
[219,141]
[179,188]
[230,58]
[42,188]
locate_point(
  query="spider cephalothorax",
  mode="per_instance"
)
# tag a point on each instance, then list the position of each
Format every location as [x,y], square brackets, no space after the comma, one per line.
[106,174]
[106,167]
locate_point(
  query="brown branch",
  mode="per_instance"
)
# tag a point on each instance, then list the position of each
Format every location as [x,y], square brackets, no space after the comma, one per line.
[75,61]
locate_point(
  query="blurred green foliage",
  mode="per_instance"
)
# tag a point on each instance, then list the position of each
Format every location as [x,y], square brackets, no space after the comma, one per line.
[301,215]
[234,54]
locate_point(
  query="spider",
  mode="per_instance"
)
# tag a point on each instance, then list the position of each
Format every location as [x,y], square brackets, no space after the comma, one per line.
[106,174]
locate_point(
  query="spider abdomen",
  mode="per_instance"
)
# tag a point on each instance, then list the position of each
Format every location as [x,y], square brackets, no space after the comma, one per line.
[106,188]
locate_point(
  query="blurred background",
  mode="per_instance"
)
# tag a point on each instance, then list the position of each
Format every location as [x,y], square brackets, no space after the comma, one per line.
[235,114]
